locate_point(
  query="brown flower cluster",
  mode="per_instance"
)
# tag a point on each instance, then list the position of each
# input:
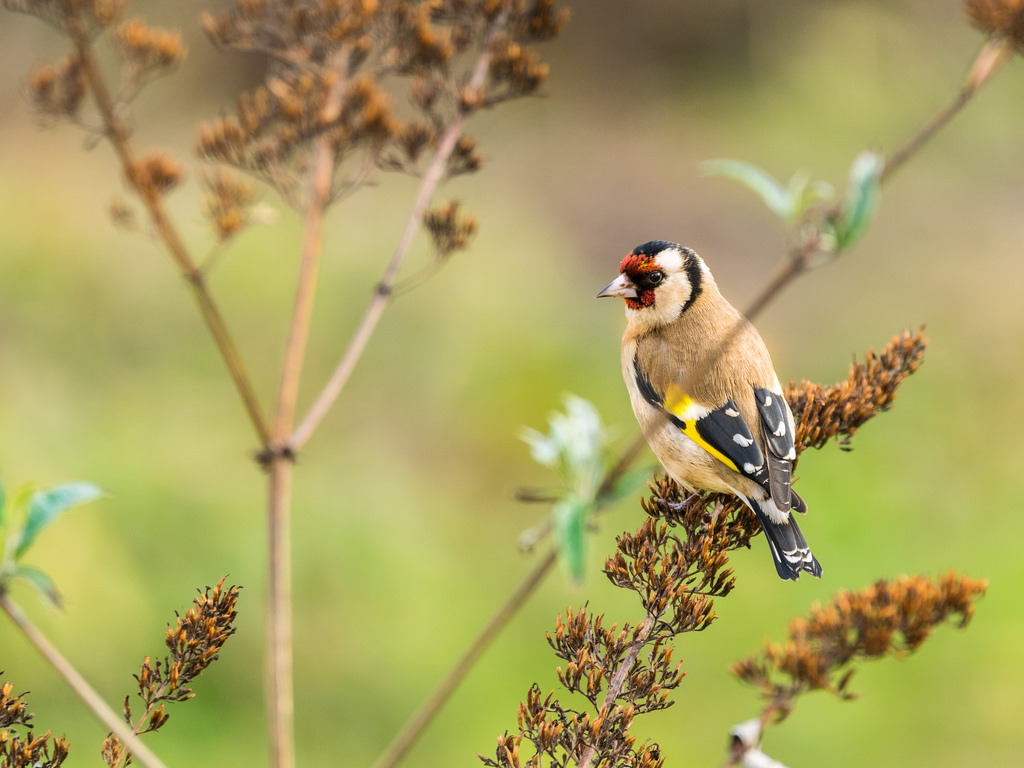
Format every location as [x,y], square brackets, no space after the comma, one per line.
[157,173]
[29,751]
[146,52]
[560,736]
[56,90]
[1001,19]
[887,618]
[674,572]
[676,565]
[275,125]
[13,709]
[194,642]
[94,14]
[228,202]
[449,229]
[340,66]
[824,413]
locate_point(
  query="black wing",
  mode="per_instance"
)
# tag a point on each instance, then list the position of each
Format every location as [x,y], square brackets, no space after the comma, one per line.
[778,432]
[722,432]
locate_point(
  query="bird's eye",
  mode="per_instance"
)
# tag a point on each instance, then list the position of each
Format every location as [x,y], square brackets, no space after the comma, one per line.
[655,277]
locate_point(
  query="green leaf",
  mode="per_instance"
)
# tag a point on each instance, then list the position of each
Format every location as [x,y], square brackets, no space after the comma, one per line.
[570,522]
[807,193]
[861,200]
[47,505]
[778,198]
[46,586]
[14,521]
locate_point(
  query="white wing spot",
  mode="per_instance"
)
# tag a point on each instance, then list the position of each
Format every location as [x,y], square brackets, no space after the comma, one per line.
[741,440]
[781,431]
[767,399]
[732,412]
[791,455]
[749,468]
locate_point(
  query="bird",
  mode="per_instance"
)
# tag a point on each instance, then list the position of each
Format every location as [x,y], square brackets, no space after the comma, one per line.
[706,394]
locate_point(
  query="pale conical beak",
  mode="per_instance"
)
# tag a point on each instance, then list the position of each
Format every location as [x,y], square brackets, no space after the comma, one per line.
[620,286]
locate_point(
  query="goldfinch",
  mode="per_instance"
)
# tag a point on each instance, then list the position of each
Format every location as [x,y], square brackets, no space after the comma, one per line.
[706,395]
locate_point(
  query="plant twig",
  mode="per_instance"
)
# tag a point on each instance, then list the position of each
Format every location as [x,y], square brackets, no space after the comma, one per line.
[100,709]
[280,693]
[279,635]
[992,56]
[279,644]
[384,290]
[117,132]
[415,726]
[618,680]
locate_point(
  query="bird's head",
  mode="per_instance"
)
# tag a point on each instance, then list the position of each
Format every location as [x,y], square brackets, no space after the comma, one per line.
[659,280]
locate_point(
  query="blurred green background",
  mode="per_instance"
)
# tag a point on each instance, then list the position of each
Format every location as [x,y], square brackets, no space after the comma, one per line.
[405,531]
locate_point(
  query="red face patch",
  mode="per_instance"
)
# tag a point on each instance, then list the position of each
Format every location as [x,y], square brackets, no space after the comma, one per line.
[636,266]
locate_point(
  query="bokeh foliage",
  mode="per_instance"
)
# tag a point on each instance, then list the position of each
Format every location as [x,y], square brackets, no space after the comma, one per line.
[405,530]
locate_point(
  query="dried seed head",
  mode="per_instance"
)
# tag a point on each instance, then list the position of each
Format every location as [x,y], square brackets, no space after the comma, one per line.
[228,202]
[888,618]
[148,49]
[518,69]
[1002,19]
[449,229]
[94,14]
[837,412]
[13,709]
[157,173]
[56,90]
[347,52]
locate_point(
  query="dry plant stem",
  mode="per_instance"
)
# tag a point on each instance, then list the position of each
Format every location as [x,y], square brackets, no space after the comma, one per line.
[79,685]
[279,613]
[787,273]
[280,688]
[117,132]
[415,726]
[382,296]
[618,681]
[991,58]
[279,636]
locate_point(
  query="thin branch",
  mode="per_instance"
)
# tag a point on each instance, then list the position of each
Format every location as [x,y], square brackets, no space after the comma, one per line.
[281,691]
[415,726]
[117,132]
[618,681]
[988,61]
[79,685]
[279,634]
[383,293]
[298,332]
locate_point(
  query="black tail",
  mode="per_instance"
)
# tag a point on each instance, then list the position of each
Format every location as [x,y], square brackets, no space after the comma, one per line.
[789,548]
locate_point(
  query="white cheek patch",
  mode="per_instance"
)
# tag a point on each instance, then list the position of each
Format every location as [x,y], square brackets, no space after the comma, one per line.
[670,260]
